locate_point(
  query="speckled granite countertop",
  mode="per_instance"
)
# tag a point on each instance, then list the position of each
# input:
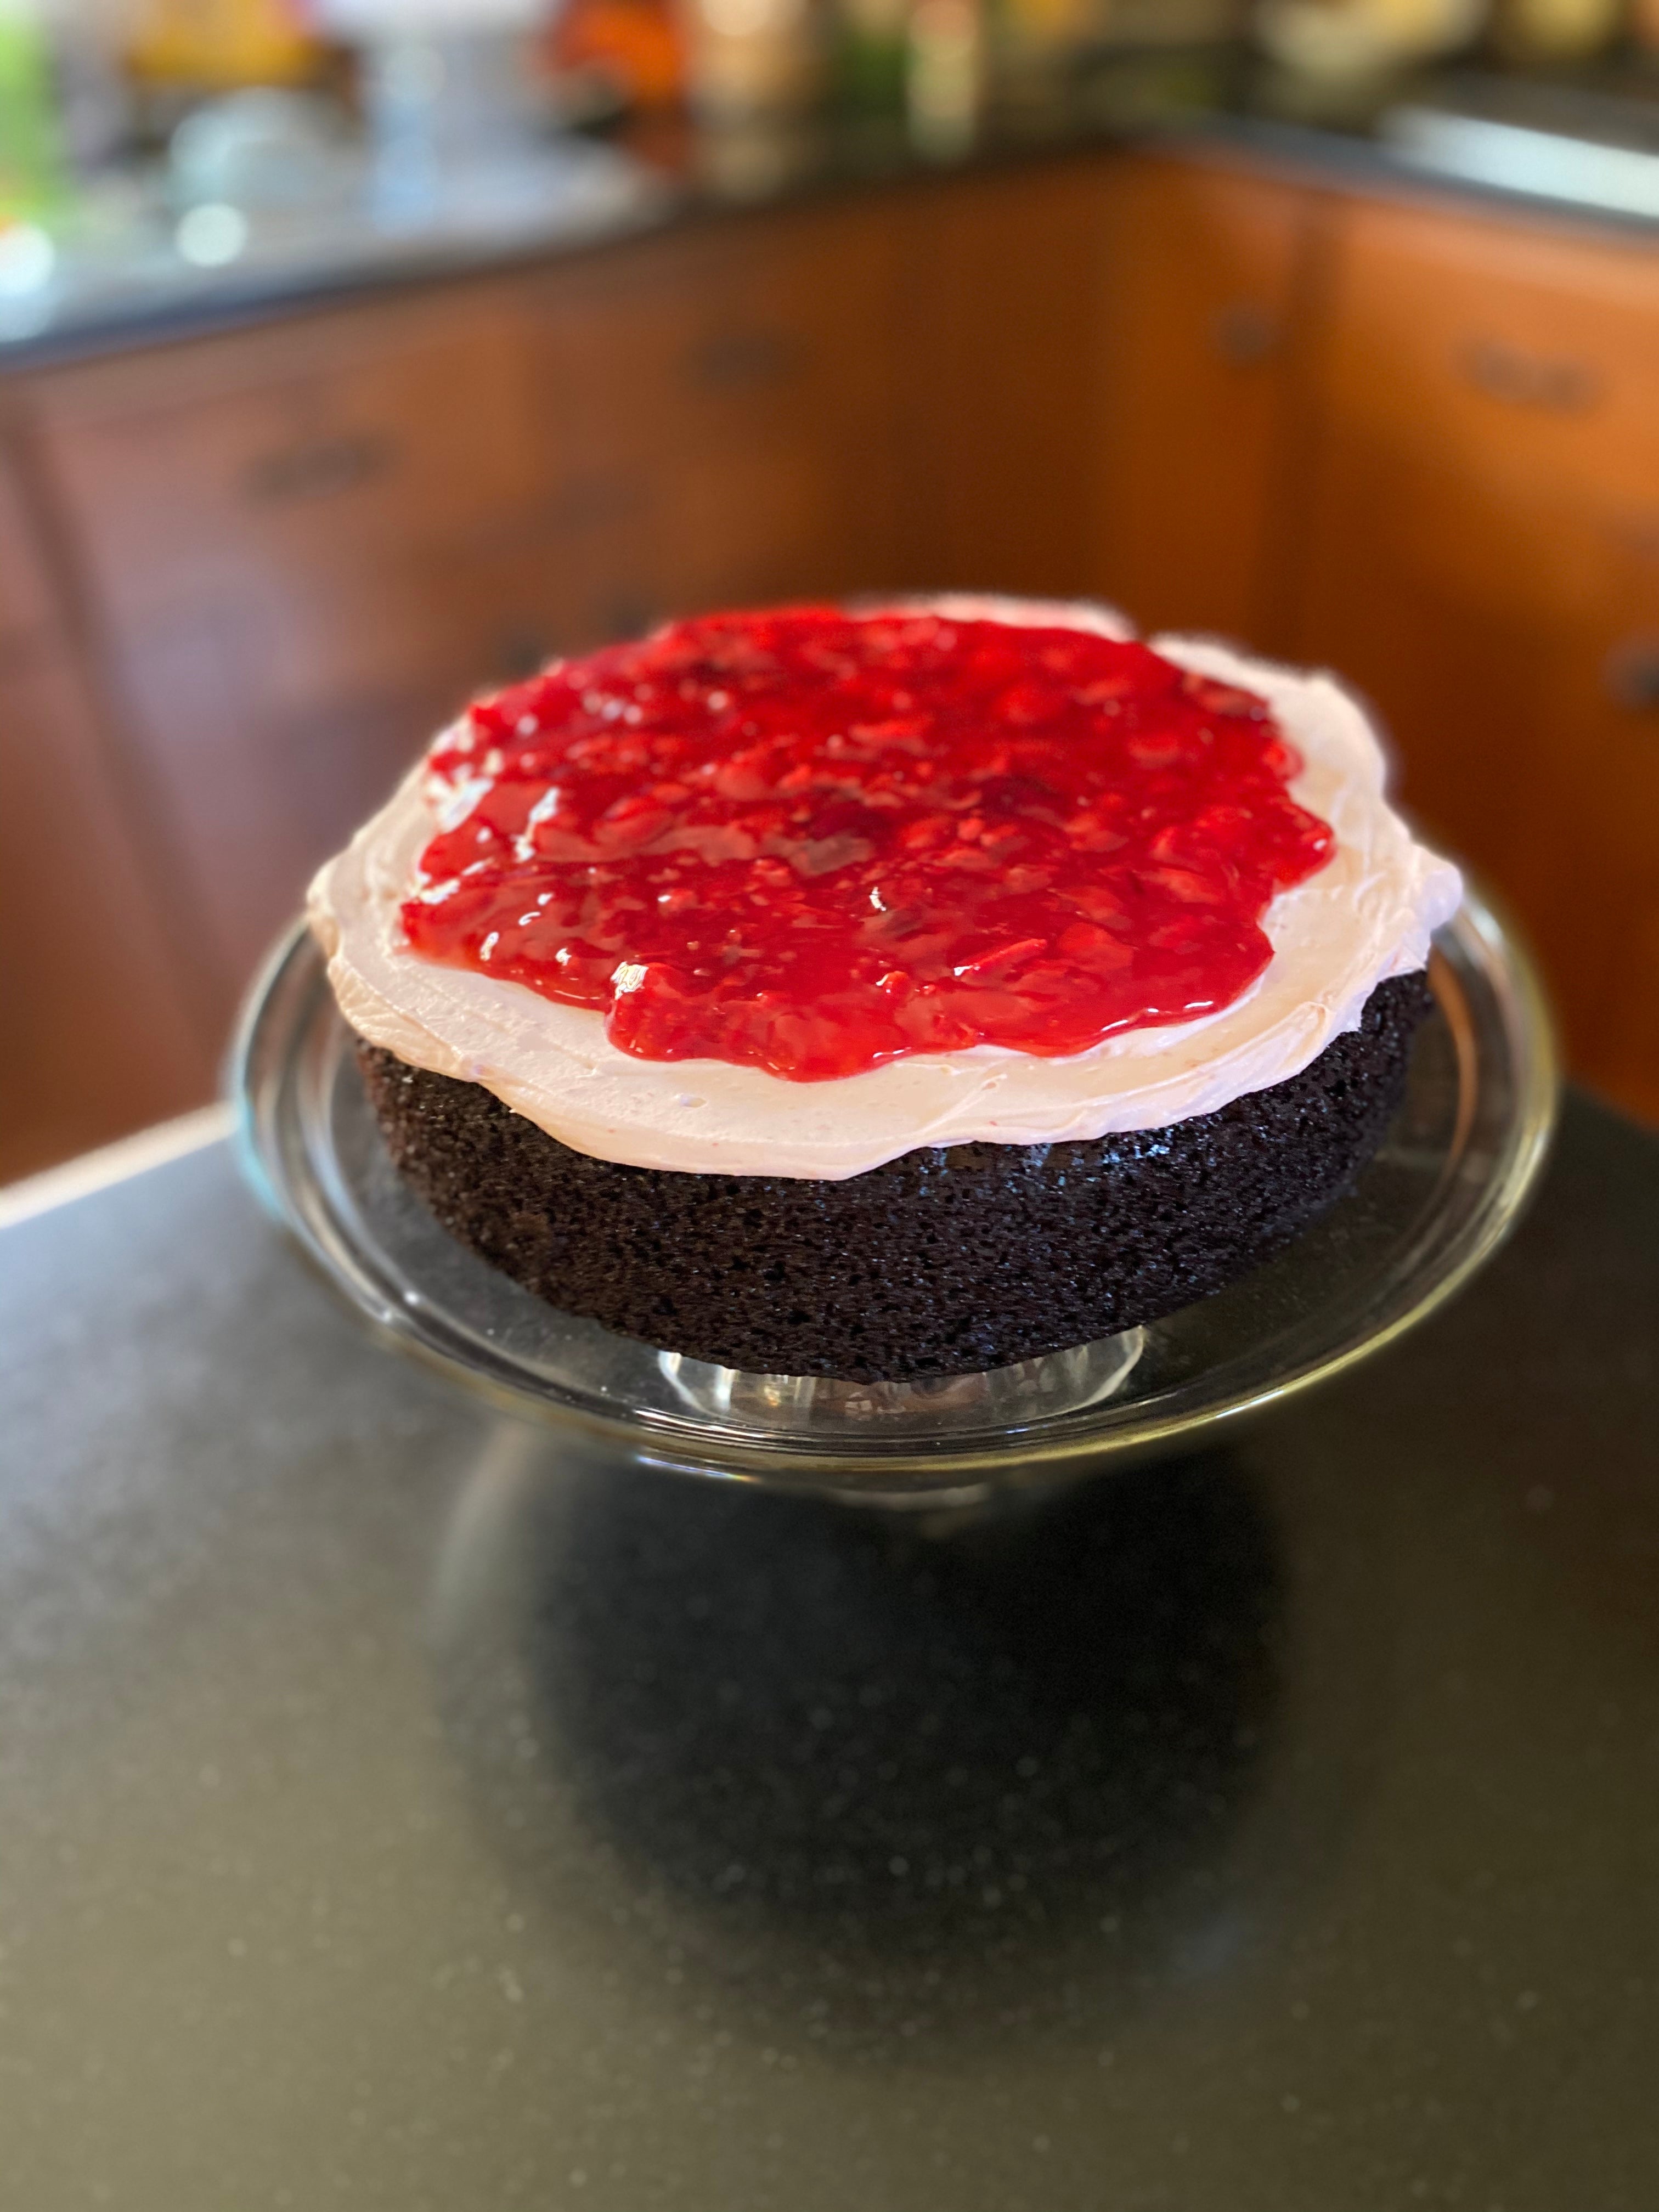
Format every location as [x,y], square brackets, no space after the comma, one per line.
[402,1812]
[1587,145]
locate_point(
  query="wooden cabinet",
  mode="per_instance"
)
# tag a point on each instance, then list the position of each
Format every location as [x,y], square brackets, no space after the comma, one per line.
[255,571]
[1421,447]
[307,546]
[1480,554]
[1209,276]
[100,1031]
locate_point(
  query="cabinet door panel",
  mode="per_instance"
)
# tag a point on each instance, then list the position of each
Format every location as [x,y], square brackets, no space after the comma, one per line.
[1003,311]
[1483,558]
[1207,272]
[101,1035]
[720,411]
[260,786]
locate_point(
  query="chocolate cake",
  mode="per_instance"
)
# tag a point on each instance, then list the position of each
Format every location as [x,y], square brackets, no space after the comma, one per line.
[893,995]
[944,1261]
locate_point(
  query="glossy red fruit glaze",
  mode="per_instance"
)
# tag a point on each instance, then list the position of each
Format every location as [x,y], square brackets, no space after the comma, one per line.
[811,841]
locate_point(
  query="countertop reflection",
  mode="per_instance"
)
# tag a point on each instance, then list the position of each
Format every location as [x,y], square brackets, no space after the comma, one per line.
[896,1786]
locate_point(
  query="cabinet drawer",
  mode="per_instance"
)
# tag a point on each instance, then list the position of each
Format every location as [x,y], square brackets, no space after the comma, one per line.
[300,478]
[1520,365]
[718,417]
[767,327]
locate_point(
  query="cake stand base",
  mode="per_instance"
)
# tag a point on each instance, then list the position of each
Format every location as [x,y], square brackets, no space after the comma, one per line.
[825,1405]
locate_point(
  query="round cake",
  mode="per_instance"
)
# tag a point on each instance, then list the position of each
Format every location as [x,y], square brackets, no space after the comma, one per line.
[887,991]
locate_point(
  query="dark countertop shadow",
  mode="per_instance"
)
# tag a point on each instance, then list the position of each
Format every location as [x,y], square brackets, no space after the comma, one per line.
[912,1750]
[904,1783]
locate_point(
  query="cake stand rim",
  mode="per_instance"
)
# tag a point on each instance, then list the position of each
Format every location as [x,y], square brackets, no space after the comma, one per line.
[919,1471]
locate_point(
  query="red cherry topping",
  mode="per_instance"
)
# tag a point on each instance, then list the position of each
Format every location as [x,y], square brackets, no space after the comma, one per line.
[809,840]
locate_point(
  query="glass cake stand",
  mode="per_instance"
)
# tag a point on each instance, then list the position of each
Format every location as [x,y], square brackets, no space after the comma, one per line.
[1447,1184]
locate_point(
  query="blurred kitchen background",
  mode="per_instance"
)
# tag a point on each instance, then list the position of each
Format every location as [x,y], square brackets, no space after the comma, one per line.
[357,353]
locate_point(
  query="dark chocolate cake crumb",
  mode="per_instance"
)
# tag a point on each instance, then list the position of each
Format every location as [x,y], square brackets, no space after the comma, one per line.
[949,1260]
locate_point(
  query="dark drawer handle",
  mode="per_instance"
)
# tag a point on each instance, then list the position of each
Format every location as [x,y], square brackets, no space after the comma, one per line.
[743,361]
[1631,673]
[1244,334]
[590,502]
[321,468]
[1530,380]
